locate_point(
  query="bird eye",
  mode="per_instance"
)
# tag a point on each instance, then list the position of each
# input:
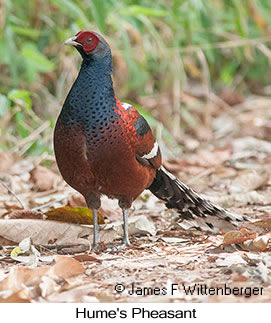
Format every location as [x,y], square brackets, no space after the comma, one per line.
[89,40]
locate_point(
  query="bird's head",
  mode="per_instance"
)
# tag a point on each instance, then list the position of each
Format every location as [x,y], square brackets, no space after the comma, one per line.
[89,44]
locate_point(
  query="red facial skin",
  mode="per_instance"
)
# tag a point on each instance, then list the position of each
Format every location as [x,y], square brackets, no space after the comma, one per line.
[87,39]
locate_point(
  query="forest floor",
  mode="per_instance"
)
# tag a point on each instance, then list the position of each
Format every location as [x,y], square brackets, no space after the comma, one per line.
[232,168]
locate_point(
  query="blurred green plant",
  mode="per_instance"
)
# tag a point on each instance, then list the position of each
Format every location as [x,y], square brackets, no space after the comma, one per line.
[165,44]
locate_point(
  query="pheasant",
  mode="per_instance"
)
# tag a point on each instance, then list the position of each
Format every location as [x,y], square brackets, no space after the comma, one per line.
[105,147]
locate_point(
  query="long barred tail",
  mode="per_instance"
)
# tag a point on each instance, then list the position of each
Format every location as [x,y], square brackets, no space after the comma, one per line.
[194,210]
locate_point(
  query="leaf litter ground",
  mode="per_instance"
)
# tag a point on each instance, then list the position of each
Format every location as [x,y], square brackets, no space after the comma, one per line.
[232,170]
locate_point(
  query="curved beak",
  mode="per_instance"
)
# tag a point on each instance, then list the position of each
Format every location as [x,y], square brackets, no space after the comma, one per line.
[72,41]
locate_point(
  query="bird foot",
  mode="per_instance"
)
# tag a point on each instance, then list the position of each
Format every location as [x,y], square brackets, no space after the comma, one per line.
[110,248]
[117,247]
[97,247]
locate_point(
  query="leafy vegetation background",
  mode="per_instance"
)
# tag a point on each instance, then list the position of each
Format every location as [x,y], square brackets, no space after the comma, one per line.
[159,47]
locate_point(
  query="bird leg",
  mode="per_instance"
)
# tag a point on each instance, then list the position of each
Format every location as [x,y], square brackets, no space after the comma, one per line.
[93,202]
[116,247]
[126,241]
[95,230]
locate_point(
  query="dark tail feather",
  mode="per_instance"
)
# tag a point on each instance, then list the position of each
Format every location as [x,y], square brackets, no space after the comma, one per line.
[194,210]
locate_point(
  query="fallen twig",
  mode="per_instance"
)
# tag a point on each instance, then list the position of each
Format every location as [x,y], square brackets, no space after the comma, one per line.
[12,193]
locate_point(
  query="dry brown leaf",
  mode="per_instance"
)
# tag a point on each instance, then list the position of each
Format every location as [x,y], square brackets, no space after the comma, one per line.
[175,166]
[264,224]
[12,206]
[252,197]
[140,224]
[43,178]
[110,209]
[25,214]
[43,232]
[258,244]
[22,276]
[79,215]
[247,240]
[207,158]
[61,233]
[32,282]
[6,161]
[86,257]
[174,240]
[236,237]
[49,200]
[249,180]
[66,267]
[225,172]
[204,158]
[5,242]
[239,278]
[48,286]
[136,225]
[76,200]
[18,297]
[75,295]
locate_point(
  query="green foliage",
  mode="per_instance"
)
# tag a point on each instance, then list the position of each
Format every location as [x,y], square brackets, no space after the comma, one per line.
[22,97]
[4,105]
[155,38]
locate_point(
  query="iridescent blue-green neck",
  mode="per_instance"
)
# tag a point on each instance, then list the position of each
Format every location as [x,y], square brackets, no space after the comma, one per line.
[91,100]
